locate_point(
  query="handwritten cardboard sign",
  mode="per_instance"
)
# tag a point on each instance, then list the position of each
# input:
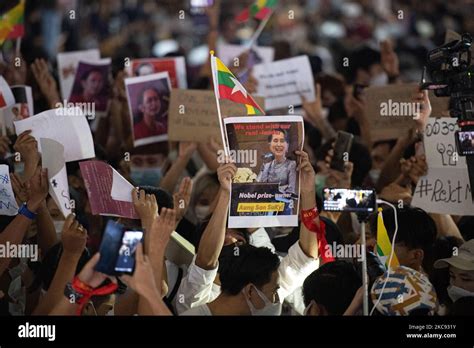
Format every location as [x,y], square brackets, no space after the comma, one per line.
[446,188]
[391,111]
[193,115]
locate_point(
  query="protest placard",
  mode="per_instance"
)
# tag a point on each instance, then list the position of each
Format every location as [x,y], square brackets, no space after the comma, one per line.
[283,82]
[6,95]
[91,88]
[53,160]
[8,205]
[446,188]
[265,190]
[175,67]
[193,115]
[390,109]
[68,126]
[148,101]
[98,179]
[21,109]
[67,66]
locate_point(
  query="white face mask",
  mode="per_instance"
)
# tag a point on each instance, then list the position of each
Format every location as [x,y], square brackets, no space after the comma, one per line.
[58,226]
[201,211]
[374,175]
[270,308]
[455,293]
[380,79]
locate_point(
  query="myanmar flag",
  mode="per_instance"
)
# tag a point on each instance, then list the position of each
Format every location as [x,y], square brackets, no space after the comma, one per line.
[12,22]
[258,10]
[226,86]
[384,246]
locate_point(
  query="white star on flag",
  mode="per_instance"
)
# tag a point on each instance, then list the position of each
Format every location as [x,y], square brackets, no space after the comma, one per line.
[238,87]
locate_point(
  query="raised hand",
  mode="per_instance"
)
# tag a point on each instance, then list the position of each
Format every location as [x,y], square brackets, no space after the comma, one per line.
[422,98]
[73,236]
[307,178]
[389,59]
[160,231]
[183,197]
[37,188]
[46,82]
[19,189]
[146,207]
[225,173]
[394,192]
[187,148]
[414,168]
[90,276]
[27,146]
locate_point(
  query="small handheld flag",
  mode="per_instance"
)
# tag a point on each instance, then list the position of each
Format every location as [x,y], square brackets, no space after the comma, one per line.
[384,246]
[12,23]
[226,86]
[258,10]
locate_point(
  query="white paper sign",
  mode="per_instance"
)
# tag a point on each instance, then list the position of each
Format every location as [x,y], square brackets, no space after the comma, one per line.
[283,82]
[440,146]
[53,159]
[8,205]
[446,188]
[67,65]
[227,53]
[444,191]
[67,126]
[121,188]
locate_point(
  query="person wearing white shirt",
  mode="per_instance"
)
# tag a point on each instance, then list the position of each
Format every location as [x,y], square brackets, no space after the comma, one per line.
[202,285]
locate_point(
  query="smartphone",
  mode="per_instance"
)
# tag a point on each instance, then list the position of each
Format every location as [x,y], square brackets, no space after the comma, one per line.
[465,142]
[199,6]
[343,145]
[358,201]
[126,253]
[111,242]
[357,90]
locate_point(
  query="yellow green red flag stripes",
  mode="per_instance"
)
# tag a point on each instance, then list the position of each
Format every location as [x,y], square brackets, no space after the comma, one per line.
[11,23]
[258,10]
[228,87]
[384,246]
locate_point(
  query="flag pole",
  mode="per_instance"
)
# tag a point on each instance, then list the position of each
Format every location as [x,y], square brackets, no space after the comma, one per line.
[365,280]
[18,46]
[216,95]
[259,30]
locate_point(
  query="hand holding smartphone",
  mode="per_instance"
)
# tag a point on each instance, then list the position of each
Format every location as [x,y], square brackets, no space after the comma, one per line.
[117,250]
[343,145]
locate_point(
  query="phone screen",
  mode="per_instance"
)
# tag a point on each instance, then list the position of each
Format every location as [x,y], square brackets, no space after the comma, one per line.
[336,199]
[111,241]
[465,142]
[126,253]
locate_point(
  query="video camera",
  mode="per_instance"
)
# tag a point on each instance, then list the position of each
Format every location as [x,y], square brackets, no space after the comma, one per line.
[452,75]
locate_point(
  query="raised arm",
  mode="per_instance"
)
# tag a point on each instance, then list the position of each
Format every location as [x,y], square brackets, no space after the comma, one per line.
[73,239]
[169,181]
[308,240]
[213,237]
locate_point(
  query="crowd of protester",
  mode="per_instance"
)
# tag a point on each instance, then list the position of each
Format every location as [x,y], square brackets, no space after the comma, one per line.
[277,270]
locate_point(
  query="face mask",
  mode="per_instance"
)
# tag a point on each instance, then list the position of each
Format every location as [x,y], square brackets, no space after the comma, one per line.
[270,308]
[455,293]
[146,176]
[374,175]
[379,80]
[201,211]
[58,226]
